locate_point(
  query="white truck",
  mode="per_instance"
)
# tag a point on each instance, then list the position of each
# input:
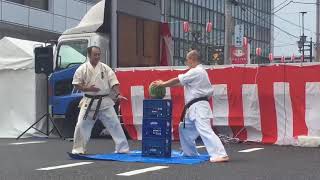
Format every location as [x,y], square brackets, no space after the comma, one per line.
[128,33]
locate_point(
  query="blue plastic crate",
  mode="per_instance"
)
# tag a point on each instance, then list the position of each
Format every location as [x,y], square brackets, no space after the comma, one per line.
[156,128]
[152,147]
[157,108]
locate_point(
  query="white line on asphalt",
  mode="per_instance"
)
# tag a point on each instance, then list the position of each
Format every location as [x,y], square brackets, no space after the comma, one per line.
[251,150]
[64,166]
[140,171]
[198,147]
[29,142]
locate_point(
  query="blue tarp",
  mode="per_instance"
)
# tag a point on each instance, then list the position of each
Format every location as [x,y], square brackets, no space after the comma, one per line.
[135,156]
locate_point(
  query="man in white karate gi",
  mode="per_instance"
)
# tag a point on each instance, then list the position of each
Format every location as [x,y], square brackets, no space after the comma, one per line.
[197,112]
[101,88]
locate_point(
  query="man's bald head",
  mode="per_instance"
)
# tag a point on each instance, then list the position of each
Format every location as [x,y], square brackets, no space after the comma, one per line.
[194,55]
[193,58]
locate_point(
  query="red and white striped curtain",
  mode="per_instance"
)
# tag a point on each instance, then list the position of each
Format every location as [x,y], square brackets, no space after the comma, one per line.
[273,104]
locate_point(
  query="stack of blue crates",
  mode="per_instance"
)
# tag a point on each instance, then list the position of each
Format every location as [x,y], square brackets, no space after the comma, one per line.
[156,128]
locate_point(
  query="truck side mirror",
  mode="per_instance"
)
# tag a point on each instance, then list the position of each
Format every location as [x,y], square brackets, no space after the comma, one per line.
[43,57]
[59,61]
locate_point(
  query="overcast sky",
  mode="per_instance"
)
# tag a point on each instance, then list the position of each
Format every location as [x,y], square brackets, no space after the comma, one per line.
[287,45]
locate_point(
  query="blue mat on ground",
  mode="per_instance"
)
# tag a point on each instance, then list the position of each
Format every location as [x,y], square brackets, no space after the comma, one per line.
[135,156]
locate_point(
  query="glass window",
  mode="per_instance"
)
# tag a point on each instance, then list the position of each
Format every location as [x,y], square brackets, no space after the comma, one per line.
[162,7]
[194,14]
[211,5]
[222,22]
[218,37]
[40,4]
[215,5]
[95,1]
[176,27]
[182,48]
[172,7]
[186,7]
[219,5]
[222,6]
[177,8]
[219,21]
[199,2]
[199,15]
[222,38]
[18,1]
[71,53]
[208,16]
[191,12]
[182,10]
[203,16]
[211,17]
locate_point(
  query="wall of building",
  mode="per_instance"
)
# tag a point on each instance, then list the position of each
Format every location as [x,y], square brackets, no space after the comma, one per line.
[255,15]
[140,8]
[38,19]
[145,9]
[197,13]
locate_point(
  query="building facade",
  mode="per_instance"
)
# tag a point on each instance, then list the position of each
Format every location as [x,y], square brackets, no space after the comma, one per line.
[255,15]
[40,20]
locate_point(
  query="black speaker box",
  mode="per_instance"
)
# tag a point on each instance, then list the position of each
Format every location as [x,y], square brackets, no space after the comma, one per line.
[43,60]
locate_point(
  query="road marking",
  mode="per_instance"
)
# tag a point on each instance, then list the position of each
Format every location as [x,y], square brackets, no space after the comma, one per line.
[29,142]
[64,166]
[198,147]
[251,150]
[140,171]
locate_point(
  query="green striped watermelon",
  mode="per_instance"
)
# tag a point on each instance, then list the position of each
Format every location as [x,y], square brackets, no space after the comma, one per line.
[156,92]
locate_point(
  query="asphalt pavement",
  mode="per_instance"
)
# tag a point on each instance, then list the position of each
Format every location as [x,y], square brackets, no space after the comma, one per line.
[22,161]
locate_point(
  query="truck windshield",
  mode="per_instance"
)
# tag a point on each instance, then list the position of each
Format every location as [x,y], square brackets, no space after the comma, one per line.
[71,53]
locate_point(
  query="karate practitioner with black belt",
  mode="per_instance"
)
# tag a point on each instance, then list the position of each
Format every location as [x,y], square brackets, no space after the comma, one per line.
[197,112]
[101,88]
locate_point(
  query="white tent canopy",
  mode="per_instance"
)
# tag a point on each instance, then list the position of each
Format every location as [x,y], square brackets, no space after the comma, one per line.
[16,53]
[22,92]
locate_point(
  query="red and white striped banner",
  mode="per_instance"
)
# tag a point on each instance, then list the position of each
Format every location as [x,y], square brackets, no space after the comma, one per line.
[270,104]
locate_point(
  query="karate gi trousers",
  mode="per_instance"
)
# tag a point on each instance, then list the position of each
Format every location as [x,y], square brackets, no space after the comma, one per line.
[109,119]
[194,128]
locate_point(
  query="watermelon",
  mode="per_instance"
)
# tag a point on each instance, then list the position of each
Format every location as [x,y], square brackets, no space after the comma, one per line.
[156,92]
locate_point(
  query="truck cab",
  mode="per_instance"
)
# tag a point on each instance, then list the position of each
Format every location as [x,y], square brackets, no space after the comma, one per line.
[128,34]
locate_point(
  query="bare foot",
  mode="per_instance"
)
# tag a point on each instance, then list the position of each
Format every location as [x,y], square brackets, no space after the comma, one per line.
[79,152]
[122,152]
[220,159]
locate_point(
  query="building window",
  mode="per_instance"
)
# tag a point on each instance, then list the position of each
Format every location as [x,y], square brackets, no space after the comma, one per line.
[17,1]
[40,4]
[147,1]
[91,1]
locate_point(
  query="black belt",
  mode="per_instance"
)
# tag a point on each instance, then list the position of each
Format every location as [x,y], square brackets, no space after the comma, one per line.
[186,107]
[99,97]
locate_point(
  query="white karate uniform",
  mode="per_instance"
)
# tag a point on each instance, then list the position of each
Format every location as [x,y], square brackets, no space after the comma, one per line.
[103,78]
[197,119]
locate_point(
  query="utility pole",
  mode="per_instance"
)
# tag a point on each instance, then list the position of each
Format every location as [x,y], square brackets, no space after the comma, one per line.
[318,33]
[302,42]
[311,49]
[303,37]
[228,31]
